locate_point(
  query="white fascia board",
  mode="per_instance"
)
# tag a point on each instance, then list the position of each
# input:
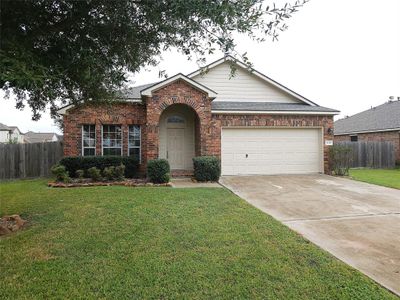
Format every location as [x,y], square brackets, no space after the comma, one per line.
[256,73]
[272,112]
[63,110]
[148,91]
[368,131]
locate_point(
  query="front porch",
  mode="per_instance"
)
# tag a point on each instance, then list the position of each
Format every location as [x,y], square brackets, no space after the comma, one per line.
[178,142]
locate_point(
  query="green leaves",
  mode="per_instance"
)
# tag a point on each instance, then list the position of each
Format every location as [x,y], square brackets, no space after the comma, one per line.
[59,51]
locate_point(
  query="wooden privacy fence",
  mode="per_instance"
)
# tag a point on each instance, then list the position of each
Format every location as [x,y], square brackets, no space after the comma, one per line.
[371,154]
[28,160]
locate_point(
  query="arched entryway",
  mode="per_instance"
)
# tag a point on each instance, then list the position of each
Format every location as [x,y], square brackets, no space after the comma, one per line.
[179,132]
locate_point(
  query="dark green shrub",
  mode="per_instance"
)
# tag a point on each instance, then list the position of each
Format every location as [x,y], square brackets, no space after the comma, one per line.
[94,173]
[340,159]
[109,173]
[74,163]
[80,174]
[206,168]
[119,172]
[158,170]
[60,173]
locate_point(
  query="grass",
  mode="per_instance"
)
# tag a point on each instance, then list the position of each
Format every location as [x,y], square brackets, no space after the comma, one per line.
[119,242]
[384,177]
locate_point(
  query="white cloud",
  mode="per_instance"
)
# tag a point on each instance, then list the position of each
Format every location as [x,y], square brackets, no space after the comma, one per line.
[340,54]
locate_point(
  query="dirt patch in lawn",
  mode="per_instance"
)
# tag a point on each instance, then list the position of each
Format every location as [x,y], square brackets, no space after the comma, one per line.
[9,224]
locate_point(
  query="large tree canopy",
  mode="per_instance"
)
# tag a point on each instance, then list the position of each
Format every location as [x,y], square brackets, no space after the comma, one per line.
[58,51]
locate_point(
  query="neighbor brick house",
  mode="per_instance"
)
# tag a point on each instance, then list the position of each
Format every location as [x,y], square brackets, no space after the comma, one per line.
[381,123]
[252,123]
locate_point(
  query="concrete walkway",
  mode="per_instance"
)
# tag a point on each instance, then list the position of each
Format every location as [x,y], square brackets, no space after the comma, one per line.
[186,182]
[357,222]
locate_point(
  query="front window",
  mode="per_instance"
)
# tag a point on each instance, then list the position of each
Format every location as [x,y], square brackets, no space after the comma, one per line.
[112,140]
[354,138]
[134,141]
[88,140]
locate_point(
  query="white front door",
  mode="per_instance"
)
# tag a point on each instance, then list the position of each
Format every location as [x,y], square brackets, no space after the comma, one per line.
[175,148]
[265,151]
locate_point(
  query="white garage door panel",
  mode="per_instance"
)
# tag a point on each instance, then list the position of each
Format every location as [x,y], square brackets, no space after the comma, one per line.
[270,151]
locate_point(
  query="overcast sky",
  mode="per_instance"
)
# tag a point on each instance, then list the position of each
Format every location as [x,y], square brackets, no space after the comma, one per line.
[338,53]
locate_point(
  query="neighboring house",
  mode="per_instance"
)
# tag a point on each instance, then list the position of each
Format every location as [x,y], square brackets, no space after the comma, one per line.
[40,137]
[10,134]
[381,123]
[254,124]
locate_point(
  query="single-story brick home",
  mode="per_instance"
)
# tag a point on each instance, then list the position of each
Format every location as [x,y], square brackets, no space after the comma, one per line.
[252,123]
[381,123]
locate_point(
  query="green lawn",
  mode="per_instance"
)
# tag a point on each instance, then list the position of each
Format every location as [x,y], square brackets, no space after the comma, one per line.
[120,243]
[384,177]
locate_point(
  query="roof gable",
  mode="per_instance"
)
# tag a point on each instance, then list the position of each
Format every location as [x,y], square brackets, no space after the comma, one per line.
[384,117]
[247,85]
[148,90]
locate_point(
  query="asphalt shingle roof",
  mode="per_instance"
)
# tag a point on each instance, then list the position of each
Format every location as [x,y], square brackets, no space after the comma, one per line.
[266,106]
[4,127]
[134,92]
[38,137]
[382,117]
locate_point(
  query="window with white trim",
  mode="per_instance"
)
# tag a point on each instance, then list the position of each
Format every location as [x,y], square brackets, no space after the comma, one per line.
[88,140]
[134,142]
[112,140]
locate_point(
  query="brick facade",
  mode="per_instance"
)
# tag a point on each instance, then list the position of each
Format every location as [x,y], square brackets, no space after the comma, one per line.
[123,114]
[207,126]
[387,136]
[178,92]
[220,121]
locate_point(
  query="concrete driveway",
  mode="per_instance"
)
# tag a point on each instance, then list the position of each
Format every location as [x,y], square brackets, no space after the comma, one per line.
[357,222]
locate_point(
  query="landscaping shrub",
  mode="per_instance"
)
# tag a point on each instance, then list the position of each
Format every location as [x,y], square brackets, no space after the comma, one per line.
[397,163]
[340,159]
[109,173]
[206,168]
[60,173]
[80,174]
[74,163]
[94,173]
[119,172]
[158,170]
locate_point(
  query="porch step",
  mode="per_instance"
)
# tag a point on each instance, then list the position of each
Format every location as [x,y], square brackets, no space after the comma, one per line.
[181,173]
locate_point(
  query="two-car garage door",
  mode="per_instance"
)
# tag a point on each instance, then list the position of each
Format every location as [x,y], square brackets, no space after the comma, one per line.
[257,151]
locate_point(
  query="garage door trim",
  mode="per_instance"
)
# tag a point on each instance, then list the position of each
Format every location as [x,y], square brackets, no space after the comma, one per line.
[319,140]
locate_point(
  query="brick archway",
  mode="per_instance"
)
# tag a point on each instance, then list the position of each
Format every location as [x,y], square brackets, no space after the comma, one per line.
[177,92]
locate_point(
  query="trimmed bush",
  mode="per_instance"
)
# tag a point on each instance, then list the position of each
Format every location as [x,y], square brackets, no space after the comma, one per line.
[158,170]
[206,168]
[74,163]
[119,172]
[109,173]
[94,173]
[80,174]
[340,159]
[60,173]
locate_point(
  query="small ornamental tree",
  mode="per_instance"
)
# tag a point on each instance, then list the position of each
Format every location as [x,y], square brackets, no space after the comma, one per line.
[340,159]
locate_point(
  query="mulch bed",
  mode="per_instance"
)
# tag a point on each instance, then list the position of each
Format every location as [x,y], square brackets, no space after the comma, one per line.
[127,182]
[9,224]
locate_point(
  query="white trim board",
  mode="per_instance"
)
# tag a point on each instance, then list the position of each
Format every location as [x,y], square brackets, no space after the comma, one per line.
[272,112]
[368,131]
[148,91]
